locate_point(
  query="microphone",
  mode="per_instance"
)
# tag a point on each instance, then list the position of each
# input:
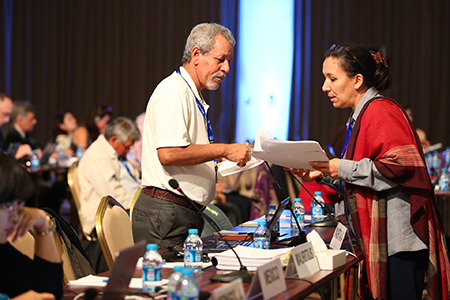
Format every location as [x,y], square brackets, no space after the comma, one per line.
[293,240]
[243,273]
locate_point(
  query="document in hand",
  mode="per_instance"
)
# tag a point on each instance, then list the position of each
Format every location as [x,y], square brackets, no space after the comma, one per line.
[252,258]
[290,154]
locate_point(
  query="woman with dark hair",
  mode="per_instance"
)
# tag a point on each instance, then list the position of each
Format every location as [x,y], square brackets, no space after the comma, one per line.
[67,133]
[383,174]
[22,277]
[97,120]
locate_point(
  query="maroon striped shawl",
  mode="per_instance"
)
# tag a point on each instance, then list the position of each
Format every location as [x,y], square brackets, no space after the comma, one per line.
[384,134]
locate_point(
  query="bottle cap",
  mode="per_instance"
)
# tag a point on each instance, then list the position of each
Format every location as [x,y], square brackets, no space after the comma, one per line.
[261,222]
[272,206]
[317,193]
[443,170]
[178,268]
[187,271]
[152,247]
[193,231]
[297,200]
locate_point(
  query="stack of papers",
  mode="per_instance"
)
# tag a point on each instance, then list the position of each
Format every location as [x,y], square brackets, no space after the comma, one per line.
[228,167]
[290,154]
[250,257]
[100,281]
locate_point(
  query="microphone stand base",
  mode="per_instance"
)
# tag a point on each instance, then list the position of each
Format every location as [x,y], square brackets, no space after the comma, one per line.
[330,222]
[245,275]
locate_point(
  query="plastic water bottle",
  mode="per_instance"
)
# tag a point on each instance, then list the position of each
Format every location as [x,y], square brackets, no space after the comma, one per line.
[299,214]
[446,158]
[261,236]
[80,152]
[174,279]
[193,251]
[316,209]
[34,161]
[435,163]
[151,268]
[187,288]
[443,181]
[269,216]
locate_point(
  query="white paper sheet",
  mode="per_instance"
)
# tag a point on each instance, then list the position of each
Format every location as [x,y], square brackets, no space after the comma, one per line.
[228,167]
[290,154]
[99,281]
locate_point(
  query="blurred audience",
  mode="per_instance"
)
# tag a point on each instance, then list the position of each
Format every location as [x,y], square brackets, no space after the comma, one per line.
[135,154]
[6,107]
[17,131]
[420,133]
[22,277]
[97,120]
[67,133]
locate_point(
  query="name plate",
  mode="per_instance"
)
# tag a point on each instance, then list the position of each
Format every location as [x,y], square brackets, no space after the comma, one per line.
[338,236]
[232,291]
[302,262]
[269,279]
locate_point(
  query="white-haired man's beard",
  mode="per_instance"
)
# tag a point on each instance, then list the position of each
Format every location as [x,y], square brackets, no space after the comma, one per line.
[212,85]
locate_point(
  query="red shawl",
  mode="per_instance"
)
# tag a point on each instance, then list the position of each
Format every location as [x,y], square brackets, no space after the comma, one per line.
[384,134]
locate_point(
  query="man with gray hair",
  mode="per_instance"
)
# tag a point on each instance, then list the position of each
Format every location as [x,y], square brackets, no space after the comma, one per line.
[16,134]
[104,171]
[178,142]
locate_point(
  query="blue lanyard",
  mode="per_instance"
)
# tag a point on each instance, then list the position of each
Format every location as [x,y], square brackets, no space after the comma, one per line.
[124,161]
[202,110]
[347,138]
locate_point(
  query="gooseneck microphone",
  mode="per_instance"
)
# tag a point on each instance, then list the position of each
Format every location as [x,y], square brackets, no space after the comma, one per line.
[243,273]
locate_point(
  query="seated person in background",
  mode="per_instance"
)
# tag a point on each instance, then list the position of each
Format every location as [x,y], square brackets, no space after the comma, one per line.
[420,133]
[102,170]
[19,128]
[228,198]
[67,133]
[42,277]
[135,154]
[6,107]
[96,121]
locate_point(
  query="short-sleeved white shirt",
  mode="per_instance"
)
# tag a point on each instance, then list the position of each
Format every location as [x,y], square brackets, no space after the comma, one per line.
[173,120]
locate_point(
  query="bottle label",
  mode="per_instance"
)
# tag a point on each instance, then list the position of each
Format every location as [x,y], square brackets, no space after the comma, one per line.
[261,244]
[193,256]
[187,298]
[151,274]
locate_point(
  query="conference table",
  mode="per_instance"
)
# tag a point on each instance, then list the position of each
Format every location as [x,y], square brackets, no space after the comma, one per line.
[296,289]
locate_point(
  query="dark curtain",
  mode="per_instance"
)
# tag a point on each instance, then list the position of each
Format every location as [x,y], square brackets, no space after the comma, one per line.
[77,53]
[415,37]
[299,111]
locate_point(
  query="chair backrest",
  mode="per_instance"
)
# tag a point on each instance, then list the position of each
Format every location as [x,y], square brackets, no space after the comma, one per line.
[133,202]
[113,226]
[24,244]
[74,184]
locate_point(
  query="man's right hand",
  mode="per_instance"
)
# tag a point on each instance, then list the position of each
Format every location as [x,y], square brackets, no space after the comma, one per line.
[23,150]
[238,153]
